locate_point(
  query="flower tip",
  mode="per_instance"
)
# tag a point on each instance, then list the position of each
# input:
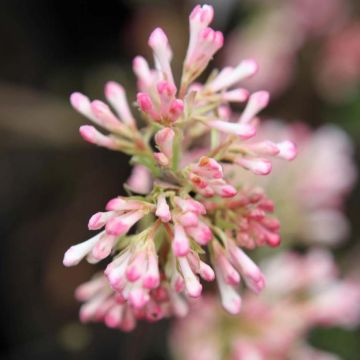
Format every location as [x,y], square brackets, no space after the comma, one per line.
[101,251]
[257,166]
[265,168]
[180,249]
[195,290]
[99,107]
[247,131]
[78,100]
[88,133]
[287,150]
[111,321]
[273,240]
[219,38]
[94,221]
[255,281]
[115,227]
[212,36]
[250,67]
[161,159]
[176,109]
[157,37]
[151,282]
[166,88]
[138,61]
[70,257]
[164,135]
[233,305]
[228,191]
[144,102]
[84,316]
[203,14]
[112,204]
[113,89]
[261,98]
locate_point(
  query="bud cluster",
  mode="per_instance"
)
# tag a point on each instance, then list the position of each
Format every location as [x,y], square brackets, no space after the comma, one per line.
[190,225]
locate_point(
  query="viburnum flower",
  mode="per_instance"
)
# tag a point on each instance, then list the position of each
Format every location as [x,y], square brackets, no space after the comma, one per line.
[303,291]
[184,223]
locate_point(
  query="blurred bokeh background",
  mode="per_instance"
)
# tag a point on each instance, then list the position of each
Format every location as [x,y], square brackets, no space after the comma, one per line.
[51,181]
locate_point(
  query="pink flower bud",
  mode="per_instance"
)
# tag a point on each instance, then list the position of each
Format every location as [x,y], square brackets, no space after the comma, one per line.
[114,316]
[206,272]
[180,306]
[230,275]
[224,190]
[229,76]
[128,322]
[202,48]
[89,309]
[146,105]
[103,247]
[125,204]
[120,225]
[140,180]
[116,96]
[162,209]
[202,14]
[256,165]
[192,284]
[87,290]
[188,219]
[199,19]
[237,95]
[166,90]
[257,101]
[209,168]
[152,276]
[244,131]
[81,103]
[93,136]
[145,102]
[271,224]
[200,233]
[136,267]
[287,150]
[230,299]
[175,110]
[138,298]
[161,159]
[105,116]
[251,273]
[159,43]
[77,252]
[198,181]
[224,112]
[98,220]
[143,73]
[164,139]
[264,148]
[115,271]
[157,38]
[190,205]
[180,243]
[244,70]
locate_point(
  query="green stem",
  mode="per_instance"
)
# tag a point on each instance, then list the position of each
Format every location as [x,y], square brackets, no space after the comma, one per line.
[176,151]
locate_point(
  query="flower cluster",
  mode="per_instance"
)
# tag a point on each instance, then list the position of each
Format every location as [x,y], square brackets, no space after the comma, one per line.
[273,325]
[191,222]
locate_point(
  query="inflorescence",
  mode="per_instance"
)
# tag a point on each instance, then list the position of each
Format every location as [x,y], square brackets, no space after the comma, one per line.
[192,223]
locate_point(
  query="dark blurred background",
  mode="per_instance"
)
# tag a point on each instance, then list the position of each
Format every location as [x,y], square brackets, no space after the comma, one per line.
[51,181]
